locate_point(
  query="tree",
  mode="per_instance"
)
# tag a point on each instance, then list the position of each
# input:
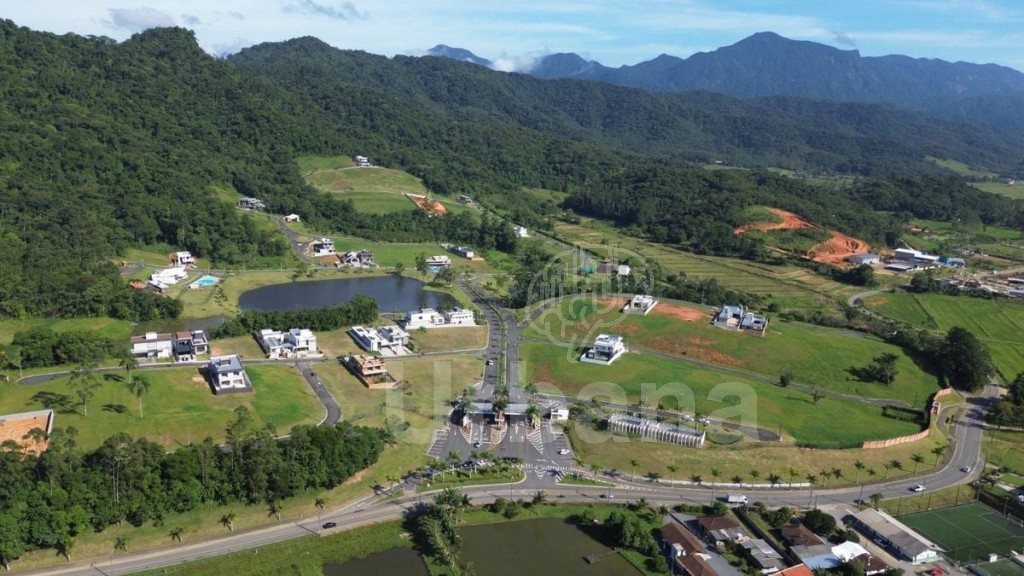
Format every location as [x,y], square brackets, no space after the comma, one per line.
[860,467]
[12,541]
[274,509]
[715,473]
[774,479]
[883,368]
[533,415]
[320,504]
[876,499]
[816,395]
[793,473]
[965,360]
[672,468]
[121,543]
[83,382]
[175,533]
[938,451]
[129,362]
[917,459]
[65,544]
[421,264]
[399,269]
[138,386]
[785,379]
[539,497]
[632,467]
[228,521]
[821,523]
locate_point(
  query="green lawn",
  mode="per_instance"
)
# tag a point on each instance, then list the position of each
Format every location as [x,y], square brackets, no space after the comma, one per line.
[448,339]
[998,323]
[968,532]
[109,327]
[1015,191]
[1003,449]
[178,407]
[815,355]
[830,421]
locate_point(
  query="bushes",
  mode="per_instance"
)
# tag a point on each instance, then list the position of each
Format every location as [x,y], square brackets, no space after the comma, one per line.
[359,310]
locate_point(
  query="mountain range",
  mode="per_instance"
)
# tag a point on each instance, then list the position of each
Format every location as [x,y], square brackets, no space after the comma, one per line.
[766,64]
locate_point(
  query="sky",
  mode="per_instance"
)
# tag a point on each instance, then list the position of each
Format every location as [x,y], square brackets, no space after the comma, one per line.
[515,33]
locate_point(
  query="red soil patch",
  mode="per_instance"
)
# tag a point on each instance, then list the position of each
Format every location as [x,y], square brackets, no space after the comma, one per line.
[789,220]
[428,205]
[837,249]
[684,313]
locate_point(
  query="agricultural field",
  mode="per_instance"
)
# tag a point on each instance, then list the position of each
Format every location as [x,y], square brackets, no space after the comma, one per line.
[960,167]
[693,389]
[177,408]
[998,323]
[1015,191]
[815,355]
[969,532]
[372,190]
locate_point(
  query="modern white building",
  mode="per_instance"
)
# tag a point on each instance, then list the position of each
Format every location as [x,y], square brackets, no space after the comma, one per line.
[323,247]
[292,218]
[867,258]
[227,374]
[440,260]
[388,341]
[430,318]
[295,343]
[182,259]
[640,304]
[623,270]
[607,349]
[361,161]
[168,276]
[182,346]
[729,316]
[251,204]
[521,232]
[464,252]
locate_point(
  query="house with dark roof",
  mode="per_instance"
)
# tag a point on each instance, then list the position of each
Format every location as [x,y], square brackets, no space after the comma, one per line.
[761,554]
[720,529]
[799,535]
[226,374]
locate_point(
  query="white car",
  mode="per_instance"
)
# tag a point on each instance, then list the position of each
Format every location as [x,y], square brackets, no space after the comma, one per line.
[563,451]
[918,488]
[966,469]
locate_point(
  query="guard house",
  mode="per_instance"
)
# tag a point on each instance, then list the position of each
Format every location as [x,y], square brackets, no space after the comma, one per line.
[323,247]
[226,374]
[482,412]
[640,304]
[607,349]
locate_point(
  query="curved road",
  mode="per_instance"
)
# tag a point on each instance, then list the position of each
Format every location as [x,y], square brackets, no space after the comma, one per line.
[967,442]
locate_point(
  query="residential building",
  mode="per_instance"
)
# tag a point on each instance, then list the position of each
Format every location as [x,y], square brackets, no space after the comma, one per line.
[685,551]
[295,343]
[251,204]
[521,232]
[763,556]
[463,199]
[182,346]
[623,270]
[607,349]
[729,316]
[182,259]
[292,218]
[22,427]
[371,371]
[169,276]
[866,258]
[798,570]
[464,252]
[227,374]
[640,304]
[322,247]
[356,259]
[755,322]
[430,318]
[720,529]
[799,535]
[389,340]
[816,556]
[882,527]
[361,161]
[439,260]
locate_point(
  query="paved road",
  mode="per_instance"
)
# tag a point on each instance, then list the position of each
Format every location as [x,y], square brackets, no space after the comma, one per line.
[333,409]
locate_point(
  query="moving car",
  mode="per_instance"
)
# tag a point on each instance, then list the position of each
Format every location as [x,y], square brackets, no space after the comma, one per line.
[476,444]
[966,469]
[490,362]
[563,451]
[917,488]
[330,525]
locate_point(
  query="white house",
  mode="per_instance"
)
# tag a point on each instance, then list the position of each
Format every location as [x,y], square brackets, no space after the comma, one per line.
[521,232]
[182,259]
[323,247]
[153,346]
[168,276]
[251,204]
[439,261]
[866,258]
[430,318]
[356,259]
[640,304]
[226,374]
[182,346]
[362,161]
[607,349]
[464,252]
[623,270]
[389,340]
[297,342]
[292,218]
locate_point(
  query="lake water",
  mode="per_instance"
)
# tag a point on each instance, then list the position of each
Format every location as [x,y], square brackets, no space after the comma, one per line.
[541,546]
[390,292]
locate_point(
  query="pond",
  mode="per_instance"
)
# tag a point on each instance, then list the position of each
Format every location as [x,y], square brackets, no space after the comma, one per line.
[390,292]
[541,546]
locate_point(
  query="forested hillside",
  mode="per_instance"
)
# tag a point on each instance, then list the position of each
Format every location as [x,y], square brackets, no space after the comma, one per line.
[104,146]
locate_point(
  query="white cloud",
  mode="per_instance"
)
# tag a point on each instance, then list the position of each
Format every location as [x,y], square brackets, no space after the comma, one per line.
[138,19]
[345,11]
[524,63]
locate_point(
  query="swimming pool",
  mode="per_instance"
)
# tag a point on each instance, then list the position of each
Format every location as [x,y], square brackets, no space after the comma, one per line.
[204,282]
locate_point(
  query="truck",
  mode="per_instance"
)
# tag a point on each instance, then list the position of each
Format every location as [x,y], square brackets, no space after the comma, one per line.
[736,499]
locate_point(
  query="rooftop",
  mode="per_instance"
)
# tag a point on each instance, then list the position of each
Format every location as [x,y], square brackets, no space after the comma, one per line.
[226,363]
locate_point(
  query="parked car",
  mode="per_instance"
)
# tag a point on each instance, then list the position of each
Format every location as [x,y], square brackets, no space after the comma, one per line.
[330,525]
[490,362]
[476,444]
[917,488]
[563,451]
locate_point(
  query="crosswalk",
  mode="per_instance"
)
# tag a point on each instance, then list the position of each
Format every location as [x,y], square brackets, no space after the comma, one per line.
[438,444]
[536,439]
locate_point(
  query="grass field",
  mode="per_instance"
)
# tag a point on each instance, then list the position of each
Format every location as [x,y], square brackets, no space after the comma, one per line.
[450,339]
[960,167]
[998,323]
[831,421]
[815,355]
[177,409]
[1002,448]
[969,532]
[1011,191]
[109,327]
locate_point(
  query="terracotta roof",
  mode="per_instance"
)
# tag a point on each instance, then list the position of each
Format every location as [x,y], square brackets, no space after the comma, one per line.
[798,570]
[183,335]
[674,533]
[694,565]
[717,523]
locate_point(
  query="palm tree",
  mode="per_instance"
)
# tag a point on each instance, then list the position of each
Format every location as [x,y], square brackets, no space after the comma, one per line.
[129,362]
[539,498]
[452,459]
[715,473]
[824,476]
[860,468]
[793,473]
[84,382]
[320,504]
[887,466]
[499,404]
[531,389]
[633,464]
[138,386]
[228,521]
[176,533]
[65,545]
[774,479]
[696,479]
[642,504]
[938,451]
[876,499]
[121,543]
[595,468]
[737,479]
[755,474]
[532,415]
[274,509]
[917,459]
[872,473]
[672,468]
[837,473]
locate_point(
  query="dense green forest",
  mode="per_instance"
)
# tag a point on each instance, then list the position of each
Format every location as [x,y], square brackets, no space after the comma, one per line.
[48,500]
[105,146]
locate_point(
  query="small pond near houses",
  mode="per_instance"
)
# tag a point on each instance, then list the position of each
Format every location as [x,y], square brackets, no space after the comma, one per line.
[390,292]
